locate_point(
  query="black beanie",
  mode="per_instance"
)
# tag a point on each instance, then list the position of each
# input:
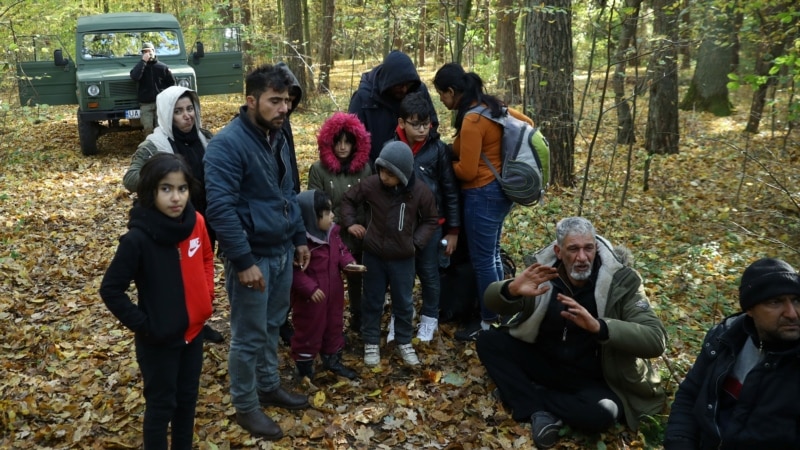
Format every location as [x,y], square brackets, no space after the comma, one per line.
[767,278]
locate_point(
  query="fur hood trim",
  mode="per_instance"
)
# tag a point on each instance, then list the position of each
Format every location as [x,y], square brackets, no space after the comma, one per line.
[349,122]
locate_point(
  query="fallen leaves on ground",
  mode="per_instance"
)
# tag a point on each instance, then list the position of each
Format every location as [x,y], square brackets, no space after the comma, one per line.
[67,368]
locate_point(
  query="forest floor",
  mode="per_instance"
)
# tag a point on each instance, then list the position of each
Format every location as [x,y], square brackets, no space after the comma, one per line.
[69,377]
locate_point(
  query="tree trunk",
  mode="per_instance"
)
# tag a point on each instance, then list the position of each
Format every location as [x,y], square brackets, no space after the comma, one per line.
[225,13]
[461,28]
[548,81]
[686,35]
[661,135]
[308,60]
[508,76]
[772,46]
[487,25]
[626,49]
[247,43]
[325,54]
[422,31]
[708,90]
[387,36]
[293,28]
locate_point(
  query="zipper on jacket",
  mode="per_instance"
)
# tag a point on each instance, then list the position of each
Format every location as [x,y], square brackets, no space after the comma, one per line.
[402,216]
[572,295]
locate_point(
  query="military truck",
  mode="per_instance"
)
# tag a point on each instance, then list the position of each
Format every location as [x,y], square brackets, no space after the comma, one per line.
[107,46]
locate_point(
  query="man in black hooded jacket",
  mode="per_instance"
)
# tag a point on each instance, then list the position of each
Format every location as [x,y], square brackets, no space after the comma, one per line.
[376,102]
[742,391]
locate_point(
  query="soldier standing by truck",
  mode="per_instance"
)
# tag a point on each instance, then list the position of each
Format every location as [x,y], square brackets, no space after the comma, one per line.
[153,76]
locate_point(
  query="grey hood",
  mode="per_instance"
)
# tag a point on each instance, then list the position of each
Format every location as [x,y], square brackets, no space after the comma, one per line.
[306,201]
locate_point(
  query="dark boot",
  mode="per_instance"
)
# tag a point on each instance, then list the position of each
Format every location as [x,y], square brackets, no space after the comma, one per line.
[334,364]
[305,368]
[212,335]
[258,424]
[286,332]
[282,398]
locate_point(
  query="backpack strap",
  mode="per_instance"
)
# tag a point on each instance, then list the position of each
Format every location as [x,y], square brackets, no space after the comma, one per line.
[485,112]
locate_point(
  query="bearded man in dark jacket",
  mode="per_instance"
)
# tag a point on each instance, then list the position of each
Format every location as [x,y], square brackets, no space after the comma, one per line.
[742,392]
[376,102]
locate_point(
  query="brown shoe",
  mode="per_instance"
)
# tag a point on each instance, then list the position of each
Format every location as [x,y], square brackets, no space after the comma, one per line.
[283,399]
[259,425]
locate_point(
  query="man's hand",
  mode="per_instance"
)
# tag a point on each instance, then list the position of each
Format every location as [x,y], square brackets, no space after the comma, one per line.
[317,296]
[302,256]
[357,230]
[528,283]
[252,278]
[577,314]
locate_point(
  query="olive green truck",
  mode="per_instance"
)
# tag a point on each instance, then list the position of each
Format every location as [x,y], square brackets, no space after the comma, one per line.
[107,46]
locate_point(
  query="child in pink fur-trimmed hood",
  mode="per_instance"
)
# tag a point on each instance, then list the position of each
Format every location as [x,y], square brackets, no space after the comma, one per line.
[344,146]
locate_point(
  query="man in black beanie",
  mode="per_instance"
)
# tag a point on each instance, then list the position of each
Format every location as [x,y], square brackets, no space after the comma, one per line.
[743,390]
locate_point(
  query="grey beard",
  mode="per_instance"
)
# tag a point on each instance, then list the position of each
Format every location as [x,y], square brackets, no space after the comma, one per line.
[580,276]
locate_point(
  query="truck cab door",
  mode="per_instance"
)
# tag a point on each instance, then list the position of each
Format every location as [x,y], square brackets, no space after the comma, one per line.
[42,80]
[217,61]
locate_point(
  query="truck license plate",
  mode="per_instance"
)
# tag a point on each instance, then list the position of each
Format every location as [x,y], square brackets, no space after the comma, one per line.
[132,114]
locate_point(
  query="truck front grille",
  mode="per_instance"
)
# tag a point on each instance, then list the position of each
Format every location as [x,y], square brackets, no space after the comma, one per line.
[122,89]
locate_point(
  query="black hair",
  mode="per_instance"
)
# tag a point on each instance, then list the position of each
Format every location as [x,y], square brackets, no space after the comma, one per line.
[349,137]
[264,77]
[415,104]
[154,170]
[470,86]
[322,203]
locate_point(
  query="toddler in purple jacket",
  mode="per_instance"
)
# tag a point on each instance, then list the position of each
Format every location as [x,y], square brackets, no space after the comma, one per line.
[318,290]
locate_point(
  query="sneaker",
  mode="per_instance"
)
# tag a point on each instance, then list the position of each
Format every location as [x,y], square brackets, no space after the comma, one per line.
[427,326]
[545,429]
[471,331]
[372,355]
[390,335]
[408,354]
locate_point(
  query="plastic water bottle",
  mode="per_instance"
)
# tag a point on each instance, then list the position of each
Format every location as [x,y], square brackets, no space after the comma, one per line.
[444,260]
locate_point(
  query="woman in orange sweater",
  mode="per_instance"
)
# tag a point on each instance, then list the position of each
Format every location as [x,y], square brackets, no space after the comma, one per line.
[485,205]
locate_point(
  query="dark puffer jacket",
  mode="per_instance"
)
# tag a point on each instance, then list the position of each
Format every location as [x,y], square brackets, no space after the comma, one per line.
[767,413]
[375,106]
[400,220]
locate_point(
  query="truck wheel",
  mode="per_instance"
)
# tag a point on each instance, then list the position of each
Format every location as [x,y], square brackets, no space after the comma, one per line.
[88,132]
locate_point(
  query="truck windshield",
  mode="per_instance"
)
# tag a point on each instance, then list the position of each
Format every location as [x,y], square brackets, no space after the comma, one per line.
[128,43]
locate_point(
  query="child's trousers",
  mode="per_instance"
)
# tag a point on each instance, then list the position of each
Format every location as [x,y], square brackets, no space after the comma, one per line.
[399,276]
[171,378]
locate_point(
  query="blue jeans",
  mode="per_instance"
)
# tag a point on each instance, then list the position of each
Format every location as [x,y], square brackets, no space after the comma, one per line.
[255,320]
[399,274]
[427,267]
[485,209]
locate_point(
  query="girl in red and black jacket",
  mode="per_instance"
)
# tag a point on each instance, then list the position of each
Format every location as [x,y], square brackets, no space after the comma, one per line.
[167,254]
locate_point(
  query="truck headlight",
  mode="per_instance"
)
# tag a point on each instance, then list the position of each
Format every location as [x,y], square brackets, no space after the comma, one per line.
[184,82]
[93,90]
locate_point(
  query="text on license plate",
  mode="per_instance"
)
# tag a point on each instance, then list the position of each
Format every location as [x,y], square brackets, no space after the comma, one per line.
[132,114]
